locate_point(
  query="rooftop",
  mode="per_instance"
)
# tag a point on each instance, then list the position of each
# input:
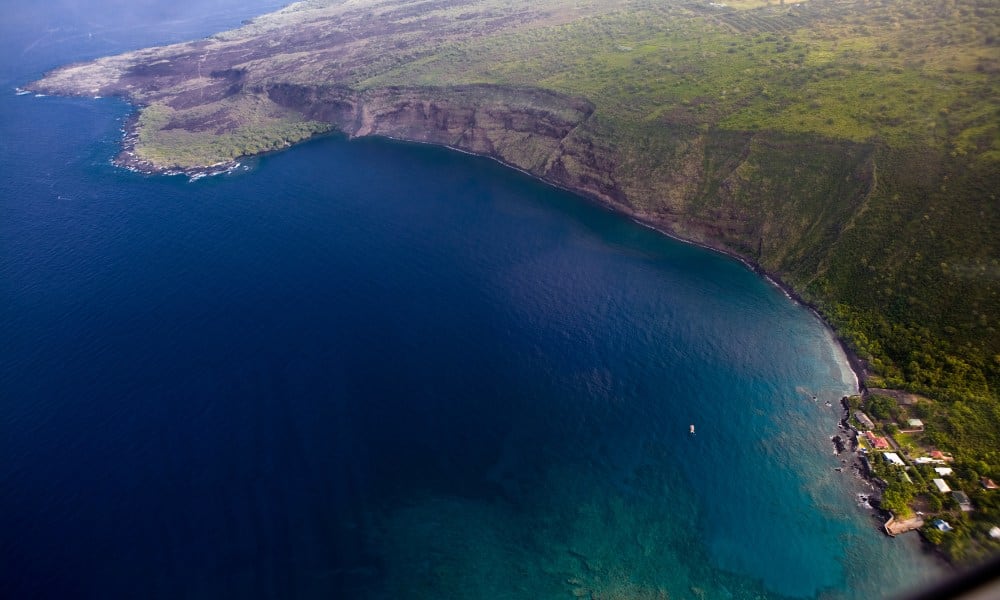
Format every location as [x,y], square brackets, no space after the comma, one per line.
[941,455]
[962,499]
[893,458]
[942,525]
[941,486]
[877,441]
[863,419]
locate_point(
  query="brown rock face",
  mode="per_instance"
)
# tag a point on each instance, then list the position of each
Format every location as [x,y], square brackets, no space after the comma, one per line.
[537,131]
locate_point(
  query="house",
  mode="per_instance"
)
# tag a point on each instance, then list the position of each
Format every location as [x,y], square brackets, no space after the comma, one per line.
[942,525]
[943,471]
[995,533]
[913,425]
[988,483]
[937,454]
[941,485]
[892,457]
[926,460]
[878,442]
[963,500]
[864,420]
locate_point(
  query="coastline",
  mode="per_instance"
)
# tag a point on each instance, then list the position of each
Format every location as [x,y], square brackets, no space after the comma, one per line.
[128,159]
[854,362]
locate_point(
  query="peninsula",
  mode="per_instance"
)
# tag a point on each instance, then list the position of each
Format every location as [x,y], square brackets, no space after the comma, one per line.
[850,149]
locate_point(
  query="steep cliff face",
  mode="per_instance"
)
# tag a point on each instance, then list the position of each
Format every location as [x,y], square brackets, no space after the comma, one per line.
[520,126]
[538,131]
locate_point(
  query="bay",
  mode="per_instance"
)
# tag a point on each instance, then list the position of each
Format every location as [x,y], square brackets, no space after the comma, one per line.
[372,369]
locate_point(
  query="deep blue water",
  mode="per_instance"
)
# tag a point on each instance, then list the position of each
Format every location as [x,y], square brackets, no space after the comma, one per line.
[369,369]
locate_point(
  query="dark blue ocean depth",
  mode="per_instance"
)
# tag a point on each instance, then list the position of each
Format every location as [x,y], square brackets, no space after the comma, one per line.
[370,369]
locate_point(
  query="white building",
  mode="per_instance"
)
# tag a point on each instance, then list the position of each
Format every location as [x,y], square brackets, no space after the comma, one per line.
[893,458]
[941,486]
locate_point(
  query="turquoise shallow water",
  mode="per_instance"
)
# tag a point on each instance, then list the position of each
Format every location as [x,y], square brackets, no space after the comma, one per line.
[370,370]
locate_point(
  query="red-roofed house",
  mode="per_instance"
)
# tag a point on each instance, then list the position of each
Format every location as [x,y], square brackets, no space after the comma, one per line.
[877,442]
[941,455]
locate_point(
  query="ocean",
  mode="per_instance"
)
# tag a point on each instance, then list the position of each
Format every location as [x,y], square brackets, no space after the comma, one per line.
[372,369]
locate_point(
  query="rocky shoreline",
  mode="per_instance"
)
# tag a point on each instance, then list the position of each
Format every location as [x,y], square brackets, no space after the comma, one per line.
[847,441]
[128,158]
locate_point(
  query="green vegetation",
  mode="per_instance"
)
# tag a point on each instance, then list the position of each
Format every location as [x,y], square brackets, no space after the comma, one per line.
[882,407]
[252,127]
